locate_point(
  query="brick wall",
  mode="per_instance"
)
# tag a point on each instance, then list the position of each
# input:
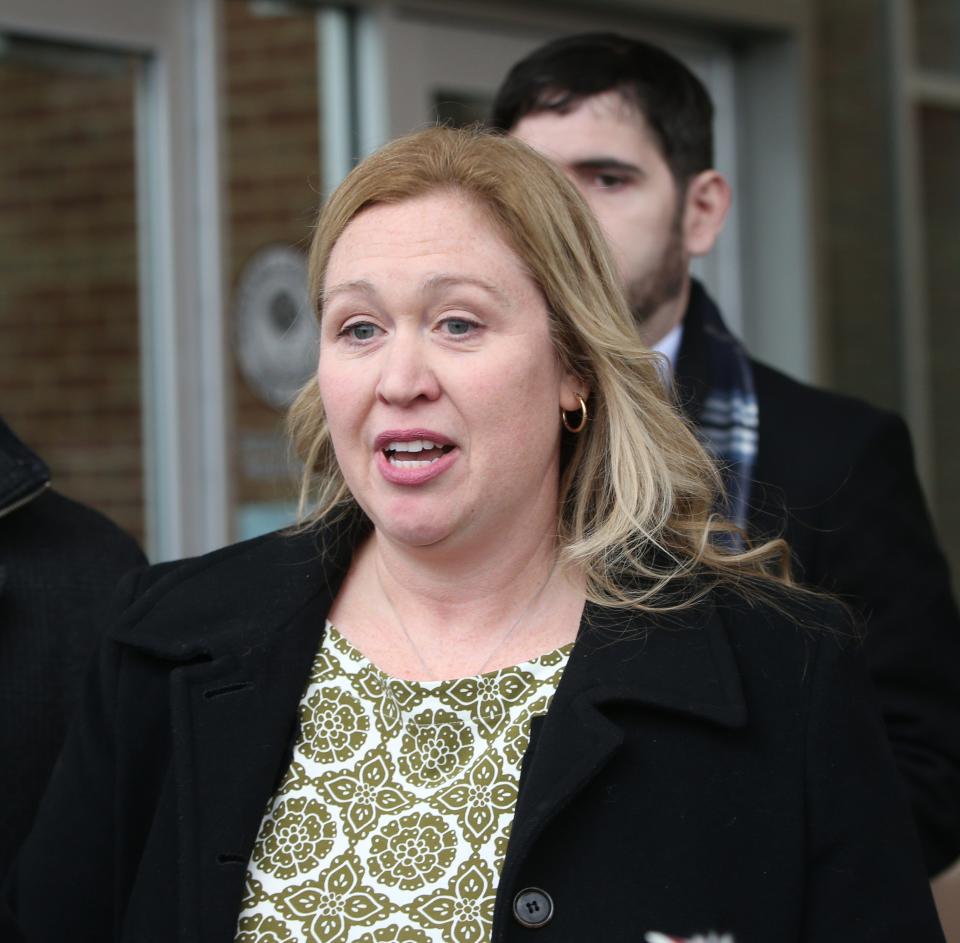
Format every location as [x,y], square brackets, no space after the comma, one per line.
[273,167]
[69,347]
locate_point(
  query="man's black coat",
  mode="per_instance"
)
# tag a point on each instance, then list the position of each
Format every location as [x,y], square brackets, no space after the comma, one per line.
[836,478]
[59,566]
[721,770]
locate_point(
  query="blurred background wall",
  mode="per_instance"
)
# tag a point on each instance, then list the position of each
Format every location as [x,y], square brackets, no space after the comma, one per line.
[161,165]
[161,169]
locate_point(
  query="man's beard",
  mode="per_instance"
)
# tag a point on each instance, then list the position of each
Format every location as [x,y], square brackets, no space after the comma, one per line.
[665,280]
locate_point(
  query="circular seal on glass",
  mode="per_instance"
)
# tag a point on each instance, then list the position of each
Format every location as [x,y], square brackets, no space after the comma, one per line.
[275,331]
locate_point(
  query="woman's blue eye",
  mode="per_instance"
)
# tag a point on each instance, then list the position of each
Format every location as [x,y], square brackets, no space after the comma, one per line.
[361,332]
[458,326]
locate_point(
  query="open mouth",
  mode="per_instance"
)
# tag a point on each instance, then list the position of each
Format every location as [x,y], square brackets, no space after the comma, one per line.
[417,453]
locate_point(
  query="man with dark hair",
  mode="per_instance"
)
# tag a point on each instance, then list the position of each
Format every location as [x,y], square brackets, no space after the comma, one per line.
[631,126]
[59,565]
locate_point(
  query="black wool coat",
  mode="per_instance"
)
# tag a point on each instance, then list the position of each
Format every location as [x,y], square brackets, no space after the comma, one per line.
[720,770]
[836,478]
[60,563]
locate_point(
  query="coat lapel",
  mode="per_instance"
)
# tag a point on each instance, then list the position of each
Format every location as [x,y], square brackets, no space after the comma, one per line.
[234,720]
[245,650]
[679,664]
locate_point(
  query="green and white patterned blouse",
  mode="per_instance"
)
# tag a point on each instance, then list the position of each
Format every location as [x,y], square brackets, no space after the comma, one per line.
[392,822]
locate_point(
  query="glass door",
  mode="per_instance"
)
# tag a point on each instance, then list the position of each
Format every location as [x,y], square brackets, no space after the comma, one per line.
[111,324]
[70,347]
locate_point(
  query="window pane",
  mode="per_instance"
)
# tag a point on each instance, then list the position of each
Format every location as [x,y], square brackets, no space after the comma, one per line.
[940,155]
[69,323]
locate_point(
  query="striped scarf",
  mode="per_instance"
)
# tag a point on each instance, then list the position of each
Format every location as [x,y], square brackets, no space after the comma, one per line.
[728,421]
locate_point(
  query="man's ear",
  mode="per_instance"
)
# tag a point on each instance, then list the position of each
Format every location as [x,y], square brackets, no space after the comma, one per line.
[705,208]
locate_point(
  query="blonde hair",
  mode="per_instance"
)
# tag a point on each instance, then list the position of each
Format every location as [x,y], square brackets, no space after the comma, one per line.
[638,493]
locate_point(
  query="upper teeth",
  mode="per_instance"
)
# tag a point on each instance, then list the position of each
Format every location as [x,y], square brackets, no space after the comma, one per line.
[415,445]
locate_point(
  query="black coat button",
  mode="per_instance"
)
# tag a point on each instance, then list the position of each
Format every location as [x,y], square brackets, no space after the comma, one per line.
[533,907]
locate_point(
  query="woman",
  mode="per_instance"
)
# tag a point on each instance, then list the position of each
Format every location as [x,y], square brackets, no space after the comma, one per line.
[509,676]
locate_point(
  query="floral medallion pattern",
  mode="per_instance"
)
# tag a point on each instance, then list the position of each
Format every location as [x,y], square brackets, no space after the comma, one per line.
[295,838]
[364,794]
[333,725]
[392,822]
[480,799]
[436,745]
[412,851]
[463,910]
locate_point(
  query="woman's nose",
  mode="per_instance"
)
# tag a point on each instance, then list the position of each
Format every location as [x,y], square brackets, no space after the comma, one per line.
[405,371]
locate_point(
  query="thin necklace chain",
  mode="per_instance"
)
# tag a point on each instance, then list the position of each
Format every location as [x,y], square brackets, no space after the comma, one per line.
[431,674]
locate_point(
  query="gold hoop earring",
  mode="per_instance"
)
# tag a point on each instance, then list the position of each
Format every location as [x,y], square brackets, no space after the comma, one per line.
[583,417]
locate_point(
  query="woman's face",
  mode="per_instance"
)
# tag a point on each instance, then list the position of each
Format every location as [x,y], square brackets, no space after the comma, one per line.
[440,383]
